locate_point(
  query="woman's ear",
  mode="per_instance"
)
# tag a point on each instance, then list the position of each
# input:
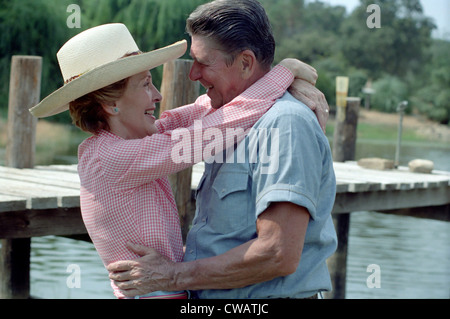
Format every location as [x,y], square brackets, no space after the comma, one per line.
[247,64]
[110,109]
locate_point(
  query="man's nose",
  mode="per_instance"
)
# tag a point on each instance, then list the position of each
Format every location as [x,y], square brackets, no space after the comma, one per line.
[194,74]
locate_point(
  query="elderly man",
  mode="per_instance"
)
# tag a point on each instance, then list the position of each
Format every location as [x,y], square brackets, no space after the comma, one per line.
[258,232]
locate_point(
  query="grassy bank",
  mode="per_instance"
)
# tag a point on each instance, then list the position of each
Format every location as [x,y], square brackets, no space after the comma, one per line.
[367,131]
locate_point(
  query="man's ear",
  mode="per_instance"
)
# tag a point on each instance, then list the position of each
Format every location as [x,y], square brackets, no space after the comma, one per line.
[247,64]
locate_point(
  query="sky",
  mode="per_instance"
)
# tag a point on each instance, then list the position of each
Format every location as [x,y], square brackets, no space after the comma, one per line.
[439,10]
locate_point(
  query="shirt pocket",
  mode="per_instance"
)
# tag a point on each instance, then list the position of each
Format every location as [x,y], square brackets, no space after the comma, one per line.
[230,209]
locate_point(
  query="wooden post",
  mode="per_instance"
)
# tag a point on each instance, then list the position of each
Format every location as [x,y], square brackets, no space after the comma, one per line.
[24,92]
[178,90]
[338,262]
[344,145]
[344,140]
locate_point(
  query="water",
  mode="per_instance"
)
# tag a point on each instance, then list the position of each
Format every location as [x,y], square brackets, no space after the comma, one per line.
[412,254]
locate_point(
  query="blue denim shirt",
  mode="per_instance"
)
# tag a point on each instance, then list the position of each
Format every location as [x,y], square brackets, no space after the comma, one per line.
[286,158]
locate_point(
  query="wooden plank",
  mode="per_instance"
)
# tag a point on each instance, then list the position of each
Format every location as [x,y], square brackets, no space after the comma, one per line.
[390,200]
[40,196]
[38,177]
[441,212]
[58,168]
[35,223]
[387,179]
[12,203]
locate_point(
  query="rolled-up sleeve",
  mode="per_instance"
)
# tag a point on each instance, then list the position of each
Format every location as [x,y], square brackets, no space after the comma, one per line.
[295,168]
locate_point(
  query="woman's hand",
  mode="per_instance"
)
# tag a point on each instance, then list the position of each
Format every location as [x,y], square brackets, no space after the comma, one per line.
[308,94]
[301,70]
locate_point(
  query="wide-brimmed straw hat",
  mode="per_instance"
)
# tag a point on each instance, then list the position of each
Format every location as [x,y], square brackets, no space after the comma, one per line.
[95,58]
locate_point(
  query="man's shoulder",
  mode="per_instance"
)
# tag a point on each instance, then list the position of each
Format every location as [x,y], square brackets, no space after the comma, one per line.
[285,108]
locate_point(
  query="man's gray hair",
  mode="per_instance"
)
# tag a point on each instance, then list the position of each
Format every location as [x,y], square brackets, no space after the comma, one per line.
[235,25]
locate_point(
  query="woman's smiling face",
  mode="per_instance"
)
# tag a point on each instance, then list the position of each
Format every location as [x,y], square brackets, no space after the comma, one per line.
[135,108]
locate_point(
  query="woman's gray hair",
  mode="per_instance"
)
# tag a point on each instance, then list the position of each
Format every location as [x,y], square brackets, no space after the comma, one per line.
[235,25]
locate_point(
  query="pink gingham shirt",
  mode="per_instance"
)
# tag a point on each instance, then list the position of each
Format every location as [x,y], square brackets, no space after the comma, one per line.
[125,193]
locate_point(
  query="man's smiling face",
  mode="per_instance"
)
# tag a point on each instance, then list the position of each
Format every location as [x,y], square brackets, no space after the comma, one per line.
[223,82]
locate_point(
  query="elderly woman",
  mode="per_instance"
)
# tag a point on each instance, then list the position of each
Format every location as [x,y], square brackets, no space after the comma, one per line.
[123,168]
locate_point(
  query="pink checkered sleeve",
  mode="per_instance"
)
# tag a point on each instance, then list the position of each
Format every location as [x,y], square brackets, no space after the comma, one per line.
[131,163]
[184,116]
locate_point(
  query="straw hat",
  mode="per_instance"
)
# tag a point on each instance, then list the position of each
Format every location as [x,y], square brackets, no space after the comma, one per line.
[95,58]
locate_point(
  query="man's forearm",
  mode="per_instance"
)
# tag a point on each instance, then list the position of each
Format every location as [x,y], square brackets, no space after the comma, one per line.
[244,265]
[275,252]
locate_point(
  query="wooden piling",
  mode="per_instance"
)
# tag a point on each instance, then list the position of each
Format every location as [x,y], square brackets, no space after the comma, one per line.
[178,90]
[344,145]
[344,139]
[24,92]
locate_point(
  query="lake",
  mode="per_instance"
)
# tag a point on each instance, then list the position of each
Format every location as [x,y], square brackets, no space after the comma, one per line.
[412,255]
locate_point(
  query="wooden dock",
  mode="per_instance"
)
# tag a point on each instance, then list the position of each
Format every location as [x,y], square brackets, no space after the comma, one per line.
[45,200]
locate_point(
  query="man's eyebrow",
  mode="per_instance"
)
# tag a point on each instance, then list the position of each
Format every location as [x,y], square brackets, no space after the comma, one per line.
[193,56]
[197,59]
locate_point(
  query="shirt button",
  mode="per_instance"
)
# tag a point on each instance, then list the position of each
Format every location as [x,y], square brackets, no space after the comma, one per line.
[191,251]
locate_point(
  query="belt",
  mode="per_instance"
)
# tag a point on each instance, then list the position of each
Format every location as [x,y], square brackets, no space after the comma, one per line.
[316,296]
[175,295]
[181,295]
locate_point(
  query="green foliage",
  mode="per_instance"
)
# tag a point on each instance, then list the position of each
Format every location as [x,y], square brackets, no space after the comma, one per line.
[31,27]
[400,58]
[43,30]
[394,48]
[389,92]
[433,98]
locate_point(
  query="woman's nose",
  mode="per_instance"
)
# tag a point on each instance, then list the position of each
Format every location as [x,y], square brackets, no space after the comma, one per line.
[157,97]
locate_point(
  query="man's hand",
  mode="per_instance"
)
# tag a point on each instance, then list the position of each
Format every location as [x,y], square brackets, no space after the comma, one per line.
[143,275]
[308,94]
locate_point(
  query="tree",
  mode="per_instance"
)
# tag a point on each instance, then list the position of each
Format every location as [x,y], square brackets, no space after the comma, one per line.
[43,30]
[32,27]
[433,98]
[397,47]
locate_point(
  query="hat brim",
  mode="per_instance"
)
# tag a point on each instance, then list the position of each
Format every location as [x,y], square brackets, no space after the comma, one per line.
[105,75]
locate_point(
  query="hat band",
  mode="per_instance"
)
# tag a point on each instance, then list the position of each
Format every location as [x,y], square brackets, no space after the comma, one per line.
[77,76]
